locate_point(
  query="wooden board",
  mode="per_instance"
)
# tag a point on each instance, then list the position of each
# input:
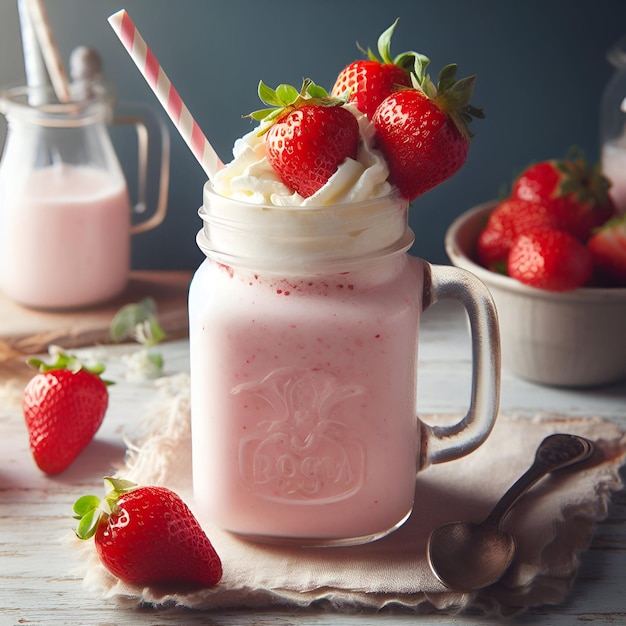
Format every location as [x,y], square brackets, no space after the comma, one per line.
[29,331]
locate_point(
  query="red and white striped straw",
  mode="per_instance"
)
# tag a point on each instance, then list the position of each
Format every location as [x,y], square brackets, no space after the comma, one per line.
[166,93]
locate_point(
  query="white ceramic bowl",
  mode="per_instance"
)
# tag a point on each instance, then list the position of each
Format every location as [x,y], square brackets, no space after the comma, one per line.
[571,339]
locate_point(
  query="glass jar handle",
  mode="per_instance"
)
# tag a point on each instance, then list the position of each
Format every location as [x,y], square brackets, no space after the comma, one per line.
[445,443]
[145,139]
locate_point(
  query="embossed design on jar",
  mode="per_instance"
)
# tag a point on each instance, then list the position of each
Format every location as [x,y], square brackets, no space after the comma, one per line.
[304,455]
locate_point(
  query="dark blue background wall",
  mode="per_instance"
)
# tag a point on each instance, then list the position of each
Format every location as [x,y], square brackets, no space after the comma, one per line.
[540,63]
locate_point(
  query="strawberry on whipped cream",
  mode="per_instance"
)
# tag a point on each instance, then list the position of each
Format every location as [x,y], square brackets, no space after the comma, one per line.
[249,177]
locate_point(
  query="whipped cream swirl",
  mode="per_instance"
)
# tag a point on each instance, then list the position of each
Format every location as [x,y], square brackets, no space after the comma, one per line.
[249,177]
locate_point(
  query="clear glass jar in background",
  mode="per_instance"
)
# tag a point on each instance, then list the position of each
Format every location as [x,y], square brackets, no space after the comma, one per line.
[613,125]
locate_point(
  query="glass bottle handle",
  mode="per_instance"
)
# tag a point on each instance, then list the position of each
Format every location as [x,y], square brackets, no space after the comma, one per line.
[445,443]
[144,142]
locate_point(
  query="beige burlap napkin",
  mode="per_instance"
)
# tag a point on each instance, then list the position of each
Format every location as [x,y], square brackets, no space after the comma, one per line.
[552,523]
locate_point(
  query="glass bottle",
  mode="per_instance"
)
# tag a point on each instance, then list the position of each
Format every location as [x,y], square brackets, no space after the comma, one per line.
[613,125]
[65,212]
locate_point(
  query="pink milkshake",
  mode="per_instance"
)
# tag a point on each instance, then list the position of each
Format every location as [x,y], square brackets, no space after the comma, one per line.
[303,340]
[303,323]
[297,379]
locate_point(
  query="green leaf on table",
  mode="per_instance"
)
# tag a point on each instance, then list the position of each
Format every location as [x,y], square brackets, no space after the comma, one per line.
[139,322]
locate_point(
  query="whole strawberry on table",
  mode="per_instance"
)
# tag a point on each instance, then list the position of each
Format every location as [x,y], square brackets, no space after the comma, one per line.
[558,229]
[64,405]
[147,535]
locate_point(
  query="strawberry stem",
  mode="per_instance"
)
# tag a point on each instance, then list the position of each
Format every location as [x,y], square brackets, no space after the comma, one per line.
[286,98]
[452,96]
[65,361]
[89,510]
[586,181]
[404,60]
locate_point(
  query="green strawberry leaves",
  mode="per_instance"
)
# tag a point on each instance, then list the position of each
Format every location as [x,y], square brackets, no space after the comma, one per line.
[89,509]
[451,95]
[65,361]
[138,321]
[582,179]
[286,98]
[405,60]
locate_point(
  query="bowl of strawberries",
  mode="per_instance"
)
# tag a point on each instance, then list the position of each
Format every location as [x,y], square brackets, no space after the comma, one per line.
[553,255]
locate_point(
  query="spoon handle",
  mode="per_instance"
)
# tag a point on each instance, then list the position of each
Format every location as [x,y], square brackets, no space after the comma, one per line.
[554,452]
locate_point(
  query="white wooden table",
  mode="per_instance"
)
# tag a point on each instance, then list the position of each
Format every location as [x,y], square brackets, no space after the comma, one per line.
[38,584]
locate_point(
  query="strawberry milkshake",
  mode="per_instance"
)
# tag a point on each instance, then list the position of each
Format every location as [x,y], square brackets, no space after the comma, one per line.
[303,381]
[304,323]
[303,331]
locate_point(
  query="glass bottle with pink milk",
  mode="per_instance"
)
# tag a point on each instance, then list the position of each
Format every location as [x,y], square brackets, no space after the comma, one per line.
[65,212]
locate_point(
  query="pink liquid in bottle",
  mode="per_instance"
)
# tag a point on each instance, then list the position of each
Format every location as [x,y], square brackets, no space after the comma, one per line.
[65,237]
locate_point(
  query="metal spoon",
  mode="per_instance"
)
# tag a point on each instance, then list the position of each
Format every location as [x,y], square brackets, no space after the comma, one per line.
[466,556]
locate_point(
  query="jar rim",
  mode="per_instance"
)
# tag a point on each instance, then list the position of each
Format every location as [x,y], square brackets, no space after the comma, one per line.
[306,238]
[49,111]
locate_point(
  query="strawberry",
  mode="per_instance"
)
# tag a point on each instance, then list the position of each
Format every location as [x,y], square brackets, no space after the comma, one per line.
[308,134]
[63,405]
[369,81]
[550,259]
[607,246]
[423,131]
[510,218]
[148,536]
[577,194]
